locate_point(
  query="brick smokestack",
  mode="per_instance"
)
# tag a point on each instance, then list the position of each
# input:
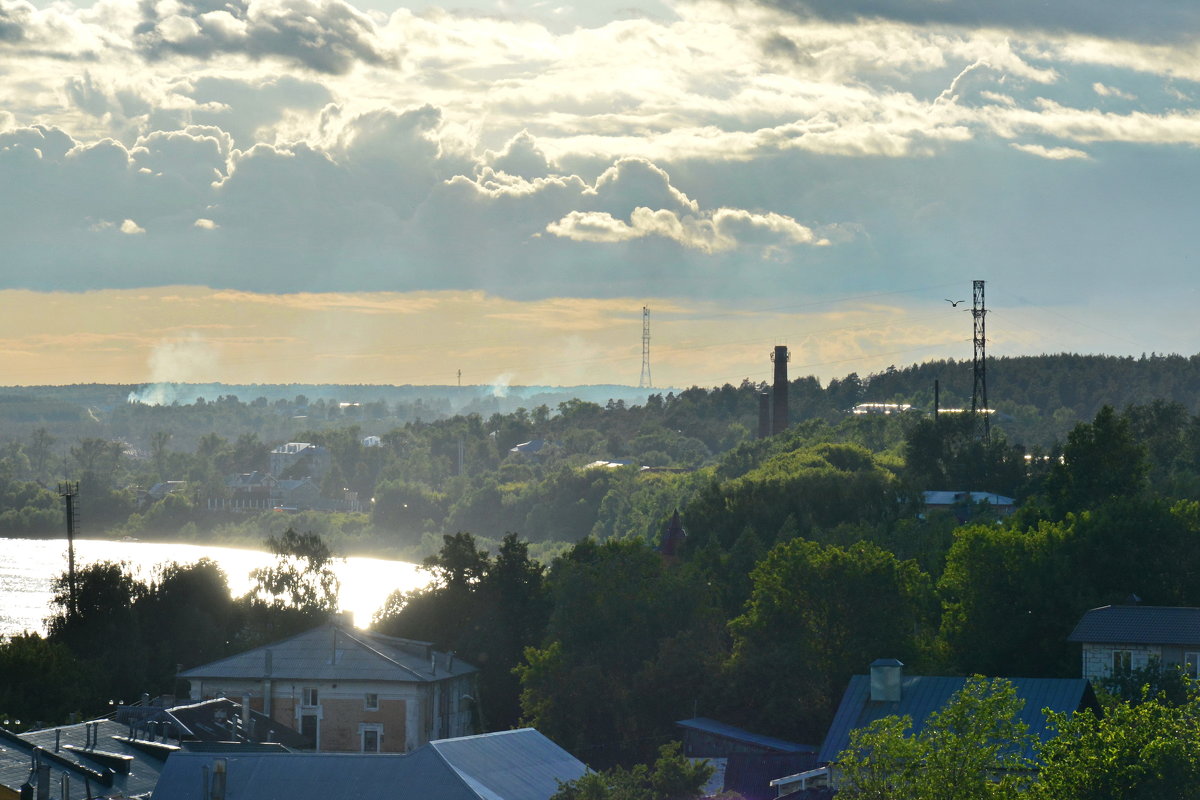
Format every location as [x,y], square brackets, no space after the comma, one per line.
[779,392]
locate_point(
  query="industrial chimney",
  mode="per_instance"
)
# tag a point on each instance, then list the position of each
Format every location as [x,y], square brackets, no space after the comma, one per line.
[779,392]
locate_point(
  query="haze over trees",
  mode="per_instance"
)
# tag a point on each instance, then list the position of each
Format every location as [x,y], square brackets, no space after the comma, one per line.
[808,555]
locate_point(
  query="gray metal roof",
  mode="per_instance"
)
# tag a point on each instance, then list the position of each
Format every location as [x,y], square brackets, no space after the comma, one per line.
[1139,625]
[726,731]
[511,765]
[90,766]
[336,652]
[922,695]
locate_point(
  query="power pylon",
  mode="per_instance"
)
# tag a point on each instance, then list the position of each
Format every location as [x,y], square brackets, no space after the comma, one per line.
[646,382]
[979,401]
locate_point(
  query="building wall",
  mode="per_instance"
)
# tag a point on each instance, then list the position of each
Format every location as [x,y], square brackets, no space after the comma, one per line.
[405,710]
[1098,658]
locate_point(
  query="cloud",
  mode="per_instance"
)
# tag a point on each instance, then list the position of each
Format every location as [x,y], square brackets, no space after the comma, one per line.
[131,228]
[1051,153]
[1111,91]
[719,231]
[1155,20]
[325,36]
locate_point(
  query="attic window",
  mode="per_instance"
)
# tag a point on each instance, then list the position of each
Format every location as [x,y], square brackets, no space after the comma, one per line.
[310,696]
[371,701]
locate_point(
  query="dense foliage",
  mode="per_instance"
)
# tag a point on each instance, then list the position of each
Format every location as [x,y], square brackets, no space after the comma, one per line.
[808,555]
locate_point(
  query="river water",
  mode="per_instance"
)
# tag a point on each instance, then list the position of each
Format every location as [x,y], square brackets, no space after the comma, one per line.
[27,567]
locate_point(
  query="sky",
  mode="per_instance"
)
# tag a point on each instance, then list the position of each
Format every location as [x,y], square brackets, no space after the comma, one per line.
[380,191]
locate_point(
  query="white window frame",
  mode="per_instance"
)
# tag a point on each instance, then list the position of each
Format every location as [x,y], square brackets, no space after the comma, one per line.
[371,701]
[370,727]
[310,696]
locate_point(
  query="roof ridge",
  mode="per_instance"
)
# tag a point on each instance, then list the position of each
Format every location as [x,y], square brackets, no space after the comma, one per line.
[353,636]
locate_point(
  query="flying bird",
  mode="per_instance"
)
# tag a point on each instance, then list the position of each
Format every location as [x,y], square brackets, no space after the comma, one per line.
[954,303]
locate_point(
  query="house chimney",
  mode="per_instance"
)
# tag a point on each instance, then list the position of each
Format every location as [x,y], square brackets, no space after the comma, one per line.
[886,677]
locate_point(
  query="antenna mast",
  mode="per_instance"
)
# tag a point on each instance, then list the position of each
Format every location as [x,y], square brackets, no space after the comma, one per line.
[979,401]
[645,382]
[68,491]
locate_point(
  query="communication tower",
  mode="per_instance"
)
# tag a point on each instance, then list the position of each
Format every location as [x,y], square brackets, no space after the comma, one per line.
[646,382]
[979,400]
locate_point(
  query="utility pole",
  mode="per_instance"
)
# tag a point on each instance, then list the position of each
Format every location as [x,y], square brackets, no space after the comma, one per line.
[460,379]
[646,382]
[979,399]
[68,491]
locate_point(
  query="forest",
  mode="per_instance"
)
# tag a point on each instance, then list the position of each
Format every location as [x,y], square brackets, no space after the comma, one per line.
[429,461]
[808,554]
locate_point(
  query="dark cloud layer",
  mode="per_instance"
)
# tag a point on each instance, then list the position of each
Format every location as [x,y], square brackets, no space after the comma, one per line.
[1154,20]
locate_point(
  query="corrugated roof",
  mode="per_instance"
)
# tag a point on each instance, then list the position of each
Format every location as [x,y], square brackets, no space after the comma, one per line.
[512,765]
[1139,625]
[737,734]
[922,695]
[334,652]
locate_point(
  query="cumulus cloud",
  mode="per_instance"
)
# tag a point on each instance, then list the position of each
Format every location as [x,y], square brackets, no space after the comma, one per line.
[326,36]
[130,228]
[1111,91]
[719,231]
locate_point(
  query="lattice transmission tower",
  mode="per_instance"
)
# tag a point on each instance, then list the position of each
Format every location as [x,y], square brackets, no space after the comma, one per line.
[646,381]
[979,401]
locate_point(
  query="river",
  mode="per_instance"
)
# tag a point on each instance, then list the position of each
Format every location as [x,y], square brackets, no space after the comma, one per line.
[27,567]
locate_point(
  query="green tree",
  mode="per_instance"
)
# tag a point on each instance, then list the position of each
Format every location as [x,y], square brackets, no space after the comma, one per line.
[973,748]
[671,777]
[302,577]
[1143,751]
[817,614]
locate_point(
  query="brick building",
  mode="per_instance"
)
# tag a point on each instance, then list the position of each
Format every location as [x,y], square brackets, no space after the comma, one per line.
[349,690]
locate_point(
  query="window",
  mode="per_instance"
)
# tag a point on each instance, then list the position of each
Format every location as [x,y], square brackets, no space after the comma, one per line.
[1122,661]
[371,735]
[310,696]
[1190,662]
[371,701]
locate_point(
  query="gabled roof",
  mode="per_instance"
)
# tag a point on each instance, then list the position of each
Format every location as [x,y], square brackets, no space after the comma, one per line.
[511,765]
[922,695]
[104,760]
[1139,625]
[336,652]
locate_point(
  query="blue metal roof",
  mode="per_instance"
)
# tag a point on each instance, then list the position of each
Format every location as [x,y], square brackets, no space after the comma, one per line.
[737,734]
[511,765]
[922,695]
[1139,625]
